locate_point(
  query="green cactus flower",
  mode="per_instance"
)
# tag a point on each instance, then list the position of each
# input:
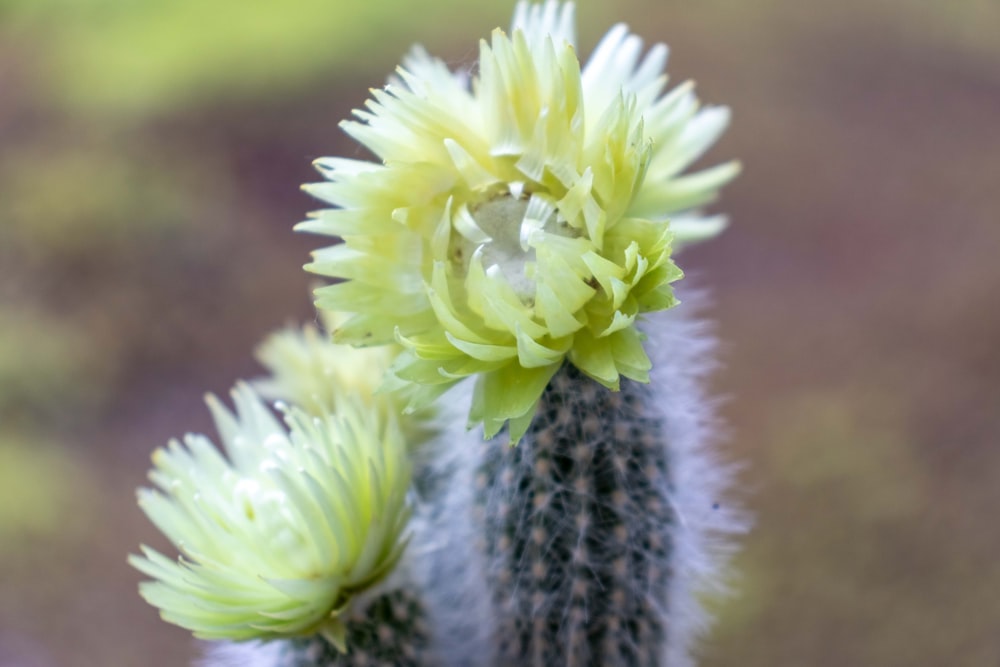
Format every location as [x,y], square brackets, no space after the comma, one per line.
[311,372]
[278,539]
[518,220]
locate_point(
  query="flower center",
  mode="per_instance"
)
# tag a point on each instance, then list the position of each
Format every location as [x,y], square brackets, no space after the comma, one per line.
[500,231]
[502,220]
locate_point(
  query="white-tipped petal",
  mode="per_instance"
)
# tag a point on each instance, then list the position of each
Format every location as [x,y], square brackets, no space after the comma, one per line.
[549,19]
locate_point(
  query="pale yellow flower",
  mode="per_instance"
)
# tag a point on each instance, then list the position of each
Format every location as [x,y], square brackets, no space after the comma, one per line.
[307,369]
[520,219]
[278,536]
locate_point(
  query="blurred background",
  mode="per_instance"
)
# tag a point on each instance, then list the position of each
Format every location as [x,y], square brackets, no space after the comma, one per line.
[150,158]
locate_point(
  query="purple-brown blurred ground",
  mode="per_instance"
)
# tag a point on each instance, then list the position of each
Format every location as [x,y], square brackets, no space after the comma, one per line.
[143,255]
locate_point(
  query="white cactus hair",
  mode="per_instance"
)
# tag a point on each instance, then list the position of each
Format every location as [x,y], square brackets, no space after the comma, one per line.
[682,347]
[448,562]
[240,654]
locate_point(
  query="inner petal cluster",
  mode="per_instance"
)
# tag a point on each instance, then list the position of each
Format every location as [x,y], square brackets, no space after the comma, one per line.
[501,233]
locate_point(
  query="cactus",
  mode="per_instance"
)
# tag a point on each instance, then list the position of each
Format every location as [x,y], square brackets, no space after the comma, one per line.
[578,529]
[596,554]
[515,242]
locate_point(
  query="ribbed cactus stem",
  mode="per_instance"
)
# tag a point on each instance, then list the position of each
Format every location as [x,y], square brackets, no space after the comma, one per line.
[578,529]
[390,631]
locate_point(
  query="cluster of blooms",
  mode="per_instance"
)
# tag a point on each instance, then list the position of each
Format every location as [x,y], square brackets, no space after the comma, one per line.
[515,222]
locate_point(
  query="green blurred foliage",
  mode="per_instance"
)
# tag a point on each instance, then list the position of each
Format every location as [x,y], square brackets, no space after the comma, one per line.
[846,566]
[85,227]
[46,492]
[128,56]
[47,369]
[90,199]
[816,444]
